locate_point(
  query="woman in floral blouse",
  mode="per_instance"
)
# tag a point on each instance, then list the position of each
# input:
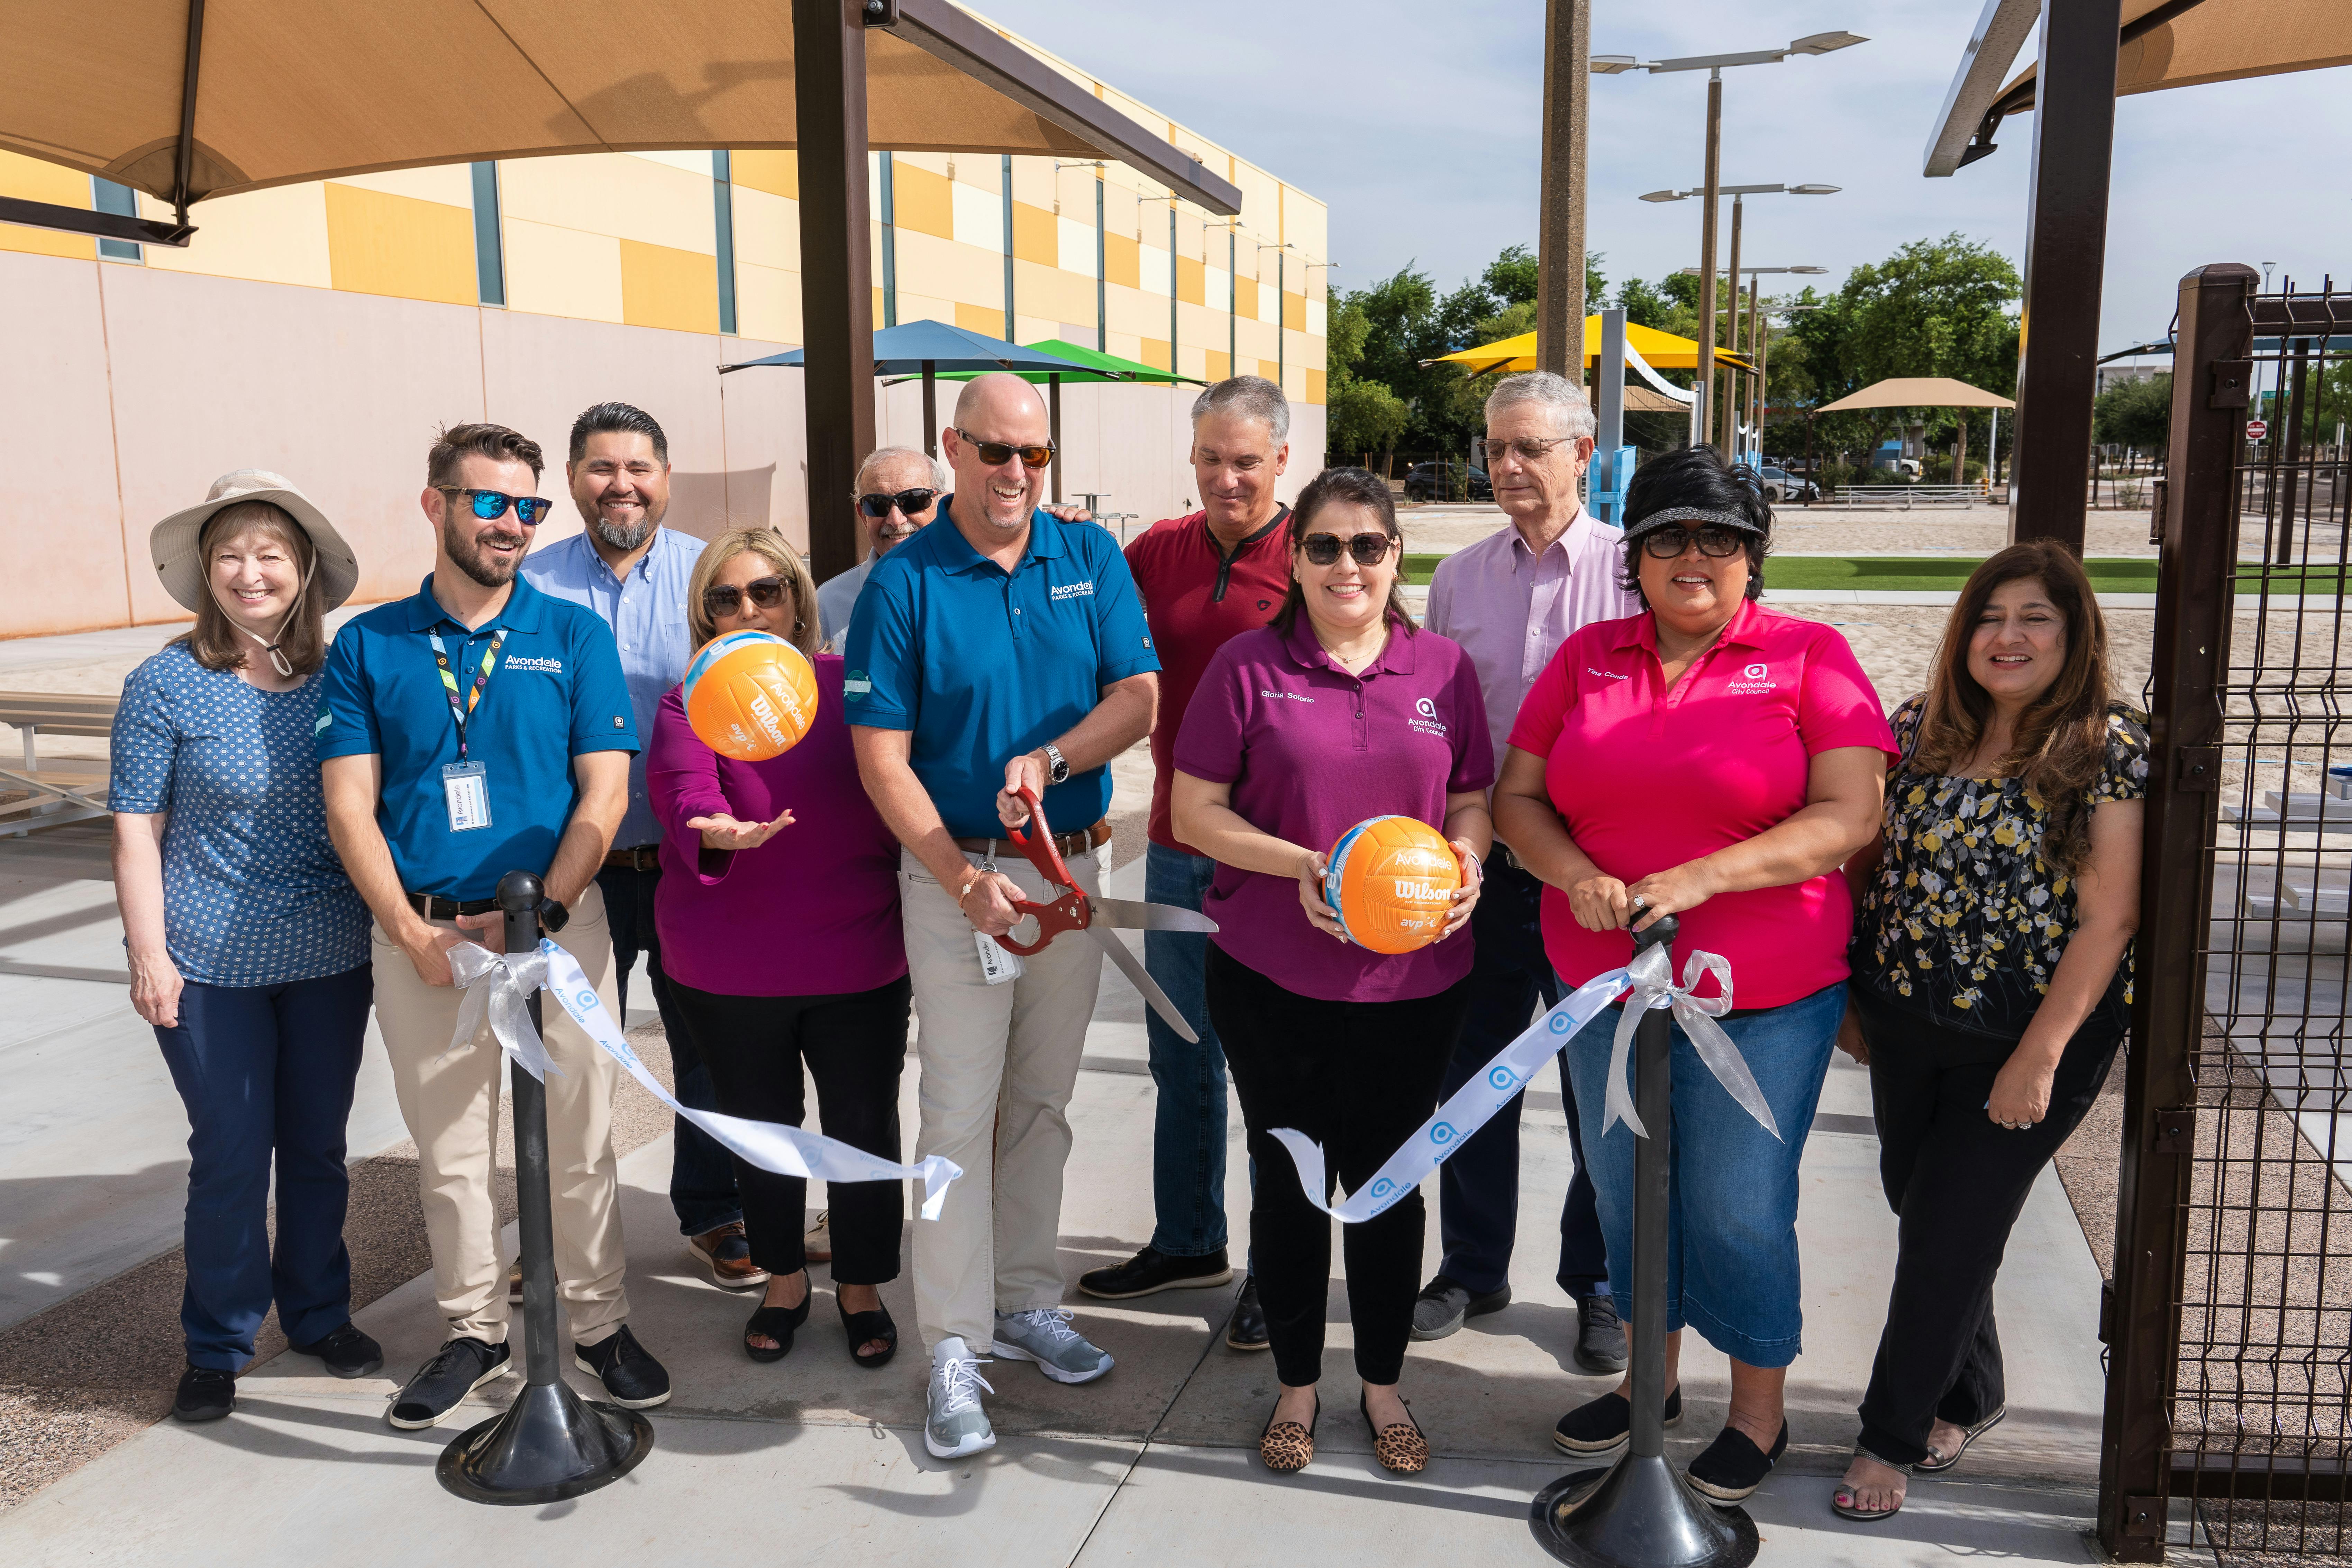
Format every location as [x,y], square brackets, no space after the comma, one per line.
[1992,965]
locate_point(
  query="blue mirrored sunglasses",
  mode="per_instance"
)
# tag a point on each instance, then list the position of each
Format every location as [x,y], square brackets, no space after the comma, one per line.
[488,504]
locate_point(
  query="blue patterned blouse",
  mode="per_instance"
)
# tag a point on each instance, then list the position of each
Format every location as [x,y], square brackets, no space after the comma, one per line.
[252,893]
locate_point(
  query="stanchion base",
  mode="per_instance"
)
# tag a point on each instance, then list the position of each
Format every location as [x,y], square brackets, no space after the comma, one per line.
[1638,1513]
[550,1444]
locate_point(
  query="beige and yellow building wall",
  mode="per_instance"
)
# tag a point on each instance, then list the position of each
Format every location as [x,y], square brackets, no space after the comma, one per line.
[325,331]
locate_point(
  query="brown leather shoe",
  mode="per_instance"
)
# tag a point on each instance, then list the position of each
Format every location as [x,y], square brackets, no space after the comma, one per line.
[727,1253]
[817,1245]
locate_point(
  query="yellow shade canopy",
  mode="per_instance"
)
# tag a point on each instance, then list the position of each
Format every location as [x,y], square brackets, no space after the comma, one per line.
[1664,351]
[1918,392]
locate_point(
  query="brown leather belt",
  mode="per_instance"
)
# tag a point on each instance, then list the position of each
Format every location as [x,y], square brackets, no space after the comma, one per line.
[646,857]
[434,907]
[1066,844]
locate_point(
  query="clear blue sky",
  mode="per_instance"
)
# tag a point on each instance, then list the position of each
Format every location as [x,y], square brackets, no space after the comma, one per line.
[1419,124]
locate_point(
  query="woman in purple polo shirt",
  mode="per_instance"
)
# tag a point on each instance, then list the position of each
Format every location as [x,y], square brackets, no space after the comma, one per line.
[782,944]
[1339,710]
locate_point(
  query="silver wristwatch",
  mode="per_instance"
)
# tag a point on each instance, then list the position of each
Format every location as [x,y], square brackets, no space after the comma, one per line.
[1057,767]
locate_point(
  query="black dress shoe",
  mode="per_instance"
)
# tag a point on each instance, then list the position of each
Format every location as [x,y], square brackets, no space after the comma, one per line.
[206,1394]
[1446,1303]
[1599,1424]
[1151,1270]
[347,1351]
[632,1379]
[460,1366]
[1733,1467]
[1600,1336]
[1246,1330]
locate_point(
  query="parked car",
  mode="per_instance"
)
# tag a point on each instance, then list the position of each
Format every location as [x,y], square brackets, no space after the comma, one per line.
[1435,481]
[1779,485]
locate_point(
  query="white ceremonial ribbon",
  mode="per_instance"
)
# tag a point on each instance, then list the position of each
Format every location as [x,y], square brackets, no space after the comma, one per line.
[1652,977]
[770,1145]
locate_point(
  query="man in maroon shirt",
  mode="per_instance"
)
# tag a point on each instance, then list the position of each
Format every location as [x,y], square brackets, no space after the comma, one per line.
[1205,578]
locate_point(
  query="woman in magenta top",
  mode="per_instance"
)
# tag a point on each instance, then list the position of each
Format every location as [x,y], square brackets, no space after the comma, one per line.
[1339,712]
[1714,760]
[778,910]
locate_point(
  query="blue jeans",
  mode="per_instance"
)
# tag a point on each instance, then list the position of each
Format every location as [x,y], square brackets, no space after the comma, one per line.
[1731,1215]
[1479,1185]
[1188,1130]
[266,1070]
[701,1171]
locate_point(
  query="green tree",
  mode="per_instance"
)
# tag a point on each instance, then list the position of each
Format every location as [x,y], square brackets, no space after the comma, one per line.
[2134,414]
[1364,417]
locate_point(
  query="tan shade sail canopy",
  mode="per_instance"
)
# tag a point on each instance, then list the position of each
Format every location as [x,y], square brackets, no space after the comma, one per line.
[292,90]
[1918,392]
[2221,40]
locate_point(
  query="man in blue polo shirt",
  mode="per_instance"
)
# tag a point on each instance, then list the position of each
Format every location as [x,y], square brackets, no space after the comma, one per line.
[997,648]
[477,728]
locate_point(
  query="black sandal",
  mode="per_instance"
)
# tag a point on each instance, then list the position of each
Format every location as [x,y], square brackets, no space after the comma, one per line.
[861,1326]
[777,1323]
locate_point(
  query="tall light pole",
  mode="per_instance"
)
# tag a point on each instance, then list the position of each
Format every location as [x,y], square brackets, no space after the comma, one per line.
[1281,252]
[1738,194]
[1753,404]
[1715,65]
[1560,304]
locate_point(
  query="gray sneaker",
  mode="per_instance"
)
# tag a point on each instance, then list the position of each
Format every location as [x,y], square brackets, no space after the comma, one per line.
[1044,1335]
[955,1423]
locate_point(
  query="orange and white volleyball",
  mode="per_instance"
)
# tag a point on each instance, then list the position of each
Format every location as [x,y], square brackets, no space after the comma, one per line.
[749,695]
[1391,881]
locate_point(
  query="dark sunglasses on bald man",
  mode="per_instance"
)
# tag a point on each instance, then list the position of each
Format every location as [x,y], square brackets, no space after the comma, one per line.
[491,505]
[1323,549]
[996,453]
[909,502]
[726,599]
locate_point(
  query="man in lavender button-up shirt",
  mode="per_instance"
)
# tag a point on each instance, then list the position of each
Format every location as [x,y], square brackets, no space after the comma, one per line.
[1510,600]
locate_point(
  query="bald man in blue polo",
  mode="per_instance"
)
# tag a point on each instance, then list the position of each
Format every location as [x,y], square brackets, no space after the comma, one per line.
[999,647]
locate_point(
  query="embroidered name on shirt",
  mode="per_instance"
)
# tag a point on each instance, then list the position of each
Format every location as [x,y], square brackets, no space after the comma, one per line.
[1286,696]
[1606,674]
[1074,590]
[531,662]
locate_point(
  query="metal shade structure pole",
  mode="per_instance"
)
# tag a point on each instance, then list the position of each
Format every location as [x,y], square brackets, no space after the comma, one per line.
[1731,425]
[836,271]
[1607,483]
[551,1444]
[1639,1512]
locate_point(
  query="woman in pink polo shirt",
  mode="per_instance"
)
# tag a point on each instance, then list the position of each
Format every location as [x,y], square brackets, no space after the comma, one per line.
[1339,710]
[1715,761]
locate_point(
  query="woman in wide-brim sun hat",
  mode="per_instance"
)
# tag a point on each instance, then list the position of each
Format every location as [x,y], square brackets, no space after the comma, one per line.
[248,947]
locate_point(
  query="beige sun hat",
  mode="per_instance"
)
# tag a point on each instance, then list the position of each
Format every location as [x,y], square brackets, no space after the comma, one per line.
[175,540]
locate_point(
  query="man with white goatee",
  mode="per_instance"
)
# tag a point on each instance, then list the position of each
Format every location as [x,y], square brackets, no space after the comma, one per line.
[997,650]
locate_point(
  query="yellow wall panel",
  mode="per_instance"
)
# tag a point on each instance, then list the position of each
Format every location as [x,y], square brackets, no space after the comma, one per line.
[767,228]
[555,271]
[1033,238]
[450,182]
[1245,299]
[1293,313]
[1155,354]
[877,315]
[1315,385]
[767,303]
[615,194]
[777,173]
[33,180]
[1122,261]
[1270,370]
[380,244]
[949,270]
[662,286]
[920,200]
[1221,365]
[980,319]
[1191,282]
[277,236]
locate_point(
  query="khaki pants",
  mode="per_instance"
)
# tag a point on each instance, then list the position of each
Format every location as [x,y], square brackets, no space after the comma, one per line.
[450,1098]
[998,1065]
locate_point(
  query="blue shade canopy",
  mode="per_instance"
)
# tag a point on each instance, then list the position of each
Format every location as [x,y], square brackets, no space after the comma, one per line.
[913,348]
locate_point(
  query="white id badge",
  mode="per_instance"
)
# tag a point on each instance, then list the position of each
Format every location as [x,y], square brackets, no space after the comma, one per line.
[996,965]
[466,788]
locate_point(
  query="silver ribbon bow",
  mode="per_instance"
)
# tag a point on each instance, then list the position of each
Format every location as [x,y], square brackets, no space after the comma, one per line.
[500,986]
[1651,972]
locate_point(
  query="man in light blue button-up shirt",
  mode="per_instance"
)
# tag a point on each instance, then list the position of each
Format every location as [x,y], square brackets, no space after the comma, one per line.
[634,573]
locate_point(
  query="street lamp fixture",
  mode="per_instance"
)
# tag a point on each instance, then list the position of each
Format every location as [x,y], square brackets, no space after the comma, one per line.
[1813,189]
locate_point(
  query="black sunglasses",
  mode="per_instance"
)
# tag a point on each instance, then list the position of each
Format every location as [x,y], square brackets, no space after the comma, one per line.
[726,599]
[1666,544]
[996,453]
[1323,549]
[909,502]
[492,504]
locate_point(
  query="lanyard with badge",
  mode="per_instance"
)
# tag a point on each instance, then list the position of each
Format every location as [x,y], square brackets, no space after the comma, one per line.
[465,785]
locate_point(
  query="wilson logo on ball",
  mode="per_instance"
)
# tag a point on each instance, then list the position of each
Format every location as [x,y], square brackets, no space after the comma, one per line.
[1391,881]
[749,695]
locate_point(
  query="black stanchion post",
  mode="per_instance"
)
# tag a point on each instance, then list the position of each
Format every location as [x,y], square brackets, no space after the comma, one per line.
[551,1444]
[1639,1512]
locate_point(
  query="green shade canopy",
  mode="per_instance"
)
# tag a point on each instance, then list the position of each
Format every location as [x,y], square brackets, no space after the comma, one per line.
[1097,366]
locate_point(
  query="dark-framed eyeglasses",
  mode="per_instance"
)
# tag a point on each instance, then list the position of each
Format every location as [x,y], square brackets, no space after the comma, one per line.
[1323,549]
[1527,449]
[996,453]
[726,599]
[909,502]
[1666,544]
[491,505]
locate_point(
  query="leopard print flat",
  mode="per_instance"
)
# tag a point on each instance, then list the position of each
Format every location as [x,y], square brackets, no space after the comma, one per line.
[1286,1446]
[1401,1446]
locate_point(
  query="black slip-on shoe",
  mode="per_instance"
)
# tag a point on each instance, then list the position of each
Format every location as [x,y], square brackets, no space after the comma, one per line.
[632,1378]
[1599,1424]
[206,1394]
[1600,1336]
[1445,1304]
[1247,1330]
[1151,1270]
[346,1352]
[1733,1467]
[460,1366]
